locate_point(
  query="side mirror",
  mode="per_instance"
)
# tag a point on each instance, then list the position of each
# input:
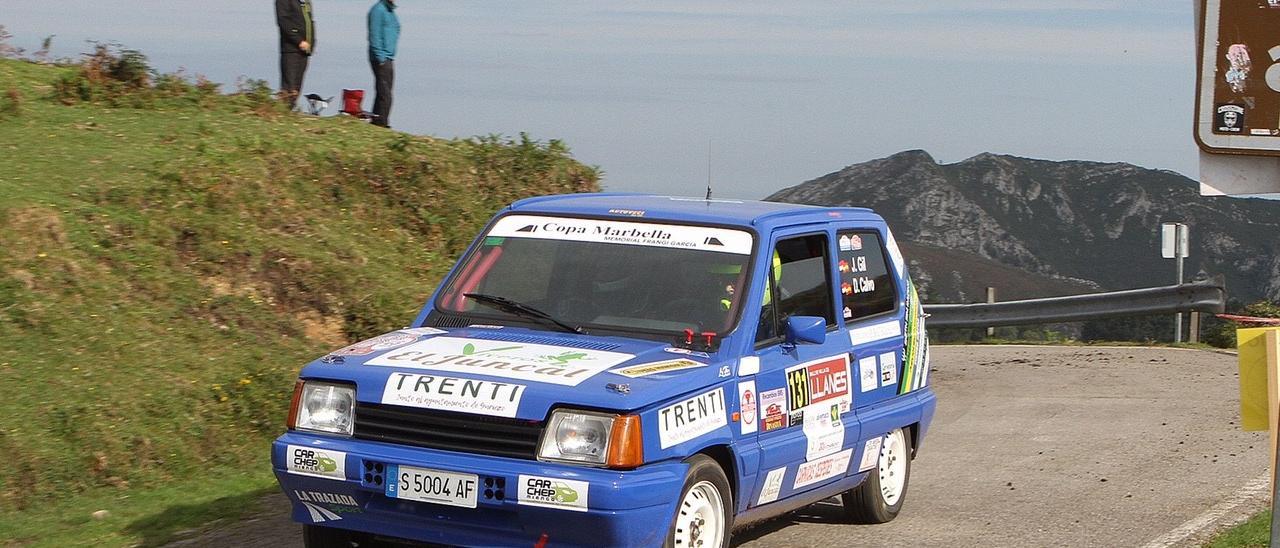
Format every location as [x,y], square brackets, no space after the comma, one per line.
[807,329]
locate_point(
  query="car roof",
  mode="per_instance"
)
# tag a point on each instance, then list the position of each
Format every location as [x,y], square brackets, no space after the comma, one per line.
[747,213]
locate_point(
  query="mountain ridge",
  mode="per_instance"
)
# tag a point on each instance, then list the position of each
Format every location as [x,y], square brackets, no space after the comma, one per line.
[1095,222]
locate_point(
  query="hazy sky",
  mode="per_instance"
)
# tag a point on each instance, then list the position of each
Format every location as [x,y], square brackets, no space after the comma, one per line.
[783,91]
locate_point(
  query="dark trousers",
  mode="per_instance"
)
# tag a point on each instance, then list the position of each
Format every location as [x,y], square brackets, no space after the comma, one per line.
[292,66]
[384,75]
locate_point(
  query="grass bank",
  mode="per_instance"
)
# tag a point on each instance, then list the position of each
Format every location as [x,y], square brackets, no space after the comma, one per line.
[171,254]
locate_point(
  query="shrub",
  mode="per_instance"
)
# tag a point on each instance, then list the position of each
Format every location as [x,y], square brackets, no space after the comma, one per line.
[11,104]
[1224,334]
[110,74]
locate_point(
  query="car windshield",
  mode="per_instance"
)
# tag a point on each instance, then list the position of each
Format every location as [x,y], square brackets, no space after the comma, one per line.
[619,275]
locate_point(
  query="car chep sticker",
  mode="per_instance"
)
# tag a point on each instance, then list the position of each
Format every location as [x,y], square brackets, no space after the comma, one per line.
[531,362]
[691,418]
[870,454]
[565,494]
[824,468]
[653,368]
[772,485]
[499,399]
[313,461]
[701,238]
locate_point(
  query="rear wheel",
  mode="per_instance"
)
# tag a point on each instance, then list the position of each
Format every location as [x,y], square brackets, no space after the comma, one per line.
[879,498]
[703,517]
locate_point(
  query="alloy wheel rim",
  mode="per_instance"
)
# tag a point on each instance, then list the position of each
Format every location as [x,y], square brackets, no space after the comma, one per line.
[700,518]
[893,467]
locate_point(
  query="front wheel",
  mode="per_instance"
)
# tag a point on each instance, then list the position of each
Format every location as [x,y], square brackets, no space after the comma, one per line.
[704,516]
[879,498]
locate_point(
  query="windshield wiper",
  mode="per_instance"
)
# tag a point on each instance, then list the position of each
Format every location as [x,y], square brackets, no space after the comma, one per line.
[520,309]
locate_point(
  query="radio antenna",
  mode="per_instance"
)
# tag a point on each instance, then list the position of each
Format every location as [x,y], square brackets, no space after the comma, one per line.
[708,169]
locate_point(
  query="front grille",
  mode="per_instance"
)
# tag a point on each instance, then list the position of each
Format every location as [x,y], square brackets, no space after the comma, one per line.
[496,436]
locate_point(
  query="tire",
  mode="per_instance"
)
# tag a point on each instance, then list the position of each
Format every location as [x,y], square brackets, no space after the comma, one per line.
[879,498]
[314,536]
[704,515]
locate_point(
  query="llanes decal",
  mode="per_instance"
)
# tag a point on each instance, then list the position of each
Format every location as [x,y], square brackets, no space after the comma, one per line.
[699,238]
[565,494]
[818,381]
[312,461]
[691,418]
[646,369]
[498,399]
[322,507]
[531,362]
[824,468]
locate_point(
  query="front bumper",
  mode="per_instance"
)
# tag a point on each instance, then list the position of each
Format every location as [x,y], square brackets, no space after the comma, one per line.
[625,508]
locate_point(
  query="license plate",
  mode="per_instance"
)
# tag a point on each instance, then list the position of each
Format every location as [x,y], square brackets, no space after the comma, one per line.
[434,486]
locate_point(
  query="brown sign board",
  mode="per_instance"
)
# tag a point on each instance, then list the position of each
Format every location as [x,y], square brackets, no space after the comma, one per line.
[1238,105]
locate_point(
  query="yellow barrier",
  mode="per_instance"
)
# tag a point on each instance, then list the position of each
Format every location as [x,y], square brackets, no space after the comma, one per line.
[1260,385]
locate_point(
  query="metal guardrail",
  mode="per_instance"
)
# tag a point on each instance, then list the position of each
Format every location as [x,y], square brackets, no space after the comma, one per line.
[1210,297]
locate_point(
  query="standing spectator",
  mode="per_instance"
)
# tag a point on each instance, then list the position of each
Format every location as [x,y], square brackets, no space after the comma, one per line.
[297,42]
[384,33]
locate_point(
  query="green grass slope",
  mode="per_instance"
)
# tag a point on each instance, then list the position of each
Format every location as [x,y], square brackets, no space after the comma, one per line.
[170,257]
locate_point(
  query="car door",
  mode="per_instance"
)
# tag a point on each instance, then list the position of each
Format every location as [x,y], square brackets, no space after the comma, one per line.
[872,296]
[803,389]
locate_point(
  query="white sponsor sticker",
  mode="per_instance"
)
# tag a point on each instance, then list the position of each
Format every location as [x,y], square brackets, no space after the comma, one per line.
[772,485]
[875,332]
[313,461]
[748,404]
[773,409]
[653,368]
[691,418]
[826,467]
[895,254]
[498,399]
[423,331]
[531,362]
[823,430]
[377,344]
[868,374]
[324,507]
[565,494]
[870,454]
[701,238]
[888,369]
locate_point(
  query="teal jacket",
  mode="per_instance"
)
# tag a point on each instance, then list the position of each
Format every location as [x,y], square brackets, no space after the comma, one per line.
[384,31]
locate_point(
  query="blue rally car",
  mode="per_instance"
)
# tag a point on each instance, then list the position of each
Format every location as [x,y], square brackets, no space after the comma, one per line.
[621,370]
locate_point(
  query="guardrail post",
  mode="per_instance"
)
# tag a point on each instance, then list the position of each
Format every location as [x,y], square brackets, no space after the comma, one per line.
[1194,335]
[991,298]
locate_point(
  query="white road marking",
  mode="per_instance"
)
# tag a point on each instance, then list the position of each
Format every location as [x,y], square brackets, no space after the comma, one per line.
[1257,487]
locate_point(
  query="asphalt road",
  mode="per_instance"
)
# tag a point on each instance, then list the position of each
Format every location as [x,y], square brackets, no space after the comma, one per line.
[1031,446]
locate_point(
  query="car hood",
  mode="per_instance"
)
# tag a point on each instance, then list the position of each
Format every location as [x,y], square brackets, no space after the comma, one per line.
[516,372]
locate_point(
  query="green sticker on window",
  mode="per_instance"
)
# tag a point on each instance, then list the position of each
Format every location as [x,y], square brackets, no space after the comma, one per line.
[493,240]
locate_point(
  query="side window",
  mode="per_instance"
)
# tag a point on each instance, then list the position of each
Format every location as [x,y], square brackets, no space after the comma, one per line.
[799,284]
[865,282]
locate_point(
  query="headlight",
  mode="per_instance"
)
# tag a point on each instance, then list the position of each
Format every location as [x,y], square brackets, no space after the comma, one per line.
[593,439]
[577,436]
[326,407]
